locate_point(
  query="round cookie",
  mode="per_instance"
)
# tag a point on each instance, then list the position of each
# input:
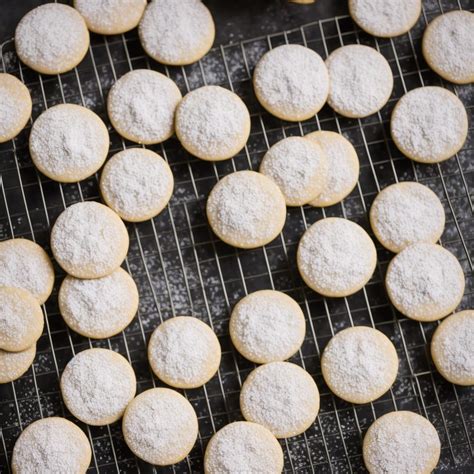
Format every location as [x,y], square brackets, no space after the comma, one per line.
[52,38]
[448,46]
[291,82]
[110,17]
[137,184]
[176,33]
[401,442]
[425,282]
[14,364]
[280,396]
[360,81]
[97,385]
[68,143]
[452,349]
[141,106]
[246,209]
[336,257]
[359,364]
[212,123]
[89,240]
[299,168]
[24,264]
[51,445]
[267,326]
[243,447]
[405,213]
[343,167]
[385,18]
[15,109]
[184,352]
[160,426]
[429,124]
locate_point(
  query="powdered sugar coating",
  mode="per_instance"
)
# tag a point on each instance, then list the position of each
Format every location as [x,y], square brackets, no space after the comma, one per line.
[52,38]
[429,124]
[360,80]
[425,282]
[14,364]
[291,82]
[401,442]
[336,257]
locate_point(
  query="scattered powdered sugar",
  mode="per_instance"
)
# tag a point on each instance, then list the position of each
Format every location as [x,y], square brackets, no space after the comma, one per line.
[15,364]
[11,111]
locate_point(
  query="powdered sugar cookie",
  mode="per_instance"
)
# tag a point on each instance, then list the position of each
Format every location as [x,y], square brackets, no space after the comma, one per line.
[425,282]
[267,326]
[184,352]
[401,442]
[51,445]
[360,80]
[176,33]
[15,108]
[246,209]
[141,106]
[405,213]
[448,46]
[101,307]
[243,447]
[52,38]
[89,240]
[359,364]
[14,364]
[298,167]
[160,426]
[68,143]
[343,167]
[336,257]
[97,385]
[452,348]
[385,18]
[24,264]
[212,123]
[429,124]
[110,17]
[291,82]
[137,184]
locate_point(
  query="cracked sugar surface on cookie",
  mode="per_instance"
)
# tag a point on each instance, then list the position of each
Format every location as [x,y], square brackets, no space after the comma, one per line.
[14,364]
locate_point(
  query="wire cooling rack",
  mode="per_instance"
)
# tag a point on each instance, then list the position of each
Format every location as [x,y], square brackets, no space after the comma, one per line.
[181,268]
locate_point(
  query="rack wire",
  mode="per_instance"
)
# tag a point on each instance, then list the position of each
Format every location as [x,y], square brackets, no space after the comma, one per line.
[181,268]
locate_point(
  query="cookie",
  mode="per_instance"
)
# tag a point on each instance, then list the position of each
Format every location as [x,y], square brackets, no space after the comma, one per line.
[68,143]
[137,184]
[89,240]
[267,326]
[14,364]
[16,107]
[425,282]
[405,213]
[336,257]
[212,123]
[452,348]
[299,168]
[359,364]
[97,385]
[24,264]
[243,447]
[448,46]
[246,209]
[360,81]
[176,33]
[52,38]
[184,352]
[291,82]
[160,426]
[342,170]
[280,396]
[429,124]
[141,106]
[401,442]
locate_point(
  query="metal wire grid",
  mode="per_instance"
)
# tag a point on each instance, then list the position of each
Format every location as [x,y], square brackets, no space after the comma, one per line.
[181,268]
